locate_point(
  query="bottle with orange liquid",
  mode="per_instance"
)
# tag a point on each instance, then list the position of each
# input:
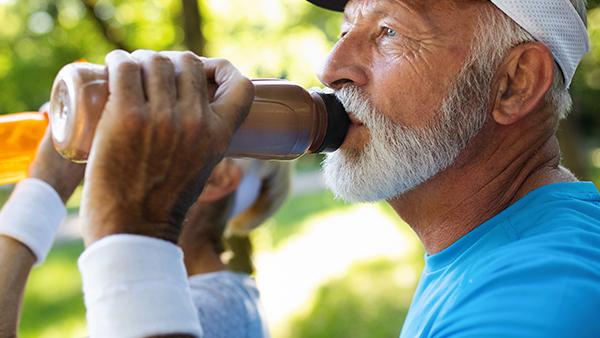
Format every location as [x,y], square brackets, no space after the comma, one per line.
[20,135]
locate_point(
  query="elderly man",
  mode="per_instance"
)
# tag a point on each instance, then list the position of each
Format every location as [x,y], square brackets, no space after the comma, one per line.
[466,153]
[454,106]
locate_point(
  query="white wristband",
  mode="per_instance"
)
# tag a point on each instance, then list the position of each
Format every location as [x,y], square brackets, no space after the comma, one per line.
[136,286]
[32,216]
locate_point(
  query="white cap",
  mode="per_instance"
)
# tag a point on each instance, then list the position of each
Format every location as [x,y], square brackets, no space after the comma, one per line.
[555,23]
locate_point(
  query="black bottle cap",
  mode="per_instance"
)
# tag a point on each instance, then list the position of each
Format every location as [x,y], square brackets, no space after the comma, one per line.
[337,124]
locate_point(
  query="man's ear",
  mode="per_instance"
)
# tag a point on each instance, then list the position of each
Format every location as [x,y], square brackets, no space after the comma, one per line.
[224,180]
[522,82]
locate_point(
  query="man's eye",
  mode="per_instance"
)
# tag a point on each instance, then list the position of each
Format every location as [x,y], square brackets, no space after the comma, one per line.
[342,34]
[389,32]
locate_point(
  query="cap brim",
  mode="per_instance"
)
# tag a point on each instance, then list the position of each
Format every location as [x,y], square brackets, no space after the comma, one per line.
[334,5]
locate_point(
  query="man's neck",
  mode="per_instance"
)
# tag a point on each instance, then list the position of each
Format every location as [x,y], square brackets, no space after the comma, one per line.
[478,186]
[204,260]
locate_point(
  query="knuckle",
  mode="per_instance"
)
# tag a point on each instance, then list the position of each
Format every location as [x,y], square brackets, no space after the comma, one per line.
[190,56]
[192,59]
[222,62]
[160,61]
[128,67]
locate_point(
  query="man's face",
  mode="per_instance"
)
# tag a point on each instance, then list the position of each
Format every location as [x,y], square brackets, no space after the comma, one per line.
[401,70]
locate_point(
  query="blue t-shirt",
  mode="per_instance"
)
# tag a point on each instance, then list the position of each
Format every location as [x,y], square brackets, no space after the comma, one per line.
[531,271]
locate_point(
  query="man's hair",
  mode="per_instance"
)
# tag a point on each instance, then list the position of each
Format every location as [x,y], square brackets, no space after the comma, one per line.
[504,33]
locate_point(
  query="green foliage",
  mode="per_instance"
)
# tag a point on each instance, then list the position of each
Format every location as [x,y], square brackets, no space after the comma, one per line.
[367,302]
[281,39]
[53,304]
[586,84]
[291,216]
[269,38]
[4,194]
[36,38]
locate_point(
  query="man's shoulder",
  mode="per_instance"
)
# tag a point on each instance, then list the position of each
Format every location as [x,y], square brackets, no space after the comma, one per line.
[532,288]
[574,200]
[542,279]
[562,216]
[557,246]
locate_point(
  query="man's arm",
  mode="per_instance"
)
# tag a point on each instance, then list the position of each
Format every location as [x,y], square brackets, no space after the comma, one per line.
[25,238]
[155,146]
[16,260]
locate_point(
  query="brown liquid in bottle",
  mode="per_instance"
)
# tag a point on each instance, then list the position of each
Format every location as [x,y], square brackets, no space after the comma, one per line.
[285,121]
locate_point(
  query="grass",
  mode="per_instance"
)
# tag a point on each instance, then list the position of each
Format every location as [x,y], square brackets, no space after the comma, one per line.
[295,211]
[53,304]
[366,302]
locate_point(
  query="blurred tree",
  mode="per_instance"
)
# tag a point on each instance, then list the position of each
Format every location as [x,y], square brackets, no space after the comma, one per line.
[109,32]
[272,38]
[578,134]
[264,38]
[192,26]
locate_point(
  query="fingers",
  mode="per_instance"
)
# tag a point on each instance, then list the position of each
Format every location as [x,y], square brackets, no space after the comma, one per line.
[234,94]
[125,79]
[158,74]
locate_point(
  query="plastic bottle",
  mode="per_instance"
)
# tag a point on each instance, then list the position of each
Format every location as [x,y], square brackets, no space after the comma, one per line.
[284,122]
[20,135]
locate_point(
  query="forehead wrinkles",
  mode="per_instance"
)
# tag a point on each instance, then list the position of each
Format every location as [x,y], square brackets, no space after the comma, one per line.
[356,8]
[416,14]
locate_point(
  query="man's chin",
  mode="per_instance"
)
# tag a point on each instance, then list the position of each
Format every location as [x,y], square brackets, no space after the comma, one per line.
[346,176]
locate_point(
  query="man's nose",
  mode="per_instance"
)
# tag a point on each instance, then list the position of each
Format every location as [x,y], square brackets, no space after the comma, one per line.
[345,65]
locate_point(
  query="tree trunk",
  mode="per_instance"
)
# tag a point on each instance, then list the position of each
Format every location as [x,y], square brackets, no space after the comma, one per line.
[192,26]
[109,34]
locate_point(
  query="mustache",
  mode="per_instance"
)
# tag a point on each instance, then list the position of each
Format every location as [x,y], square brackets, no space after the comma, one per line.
[356,103]
[361,109]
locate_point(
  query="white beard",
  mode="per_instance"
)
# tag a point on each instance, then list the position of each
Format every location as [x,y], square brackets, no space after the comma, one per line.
[397,158]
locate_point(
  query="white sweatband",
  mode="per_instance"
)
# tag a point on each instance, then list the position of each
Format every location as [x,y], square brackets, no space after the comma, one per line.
[136,286]
[555,23]
[32,216]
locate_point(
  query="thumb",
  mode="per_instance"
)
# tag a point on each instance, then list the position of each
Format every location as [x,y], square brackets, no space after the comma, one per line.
[234,93]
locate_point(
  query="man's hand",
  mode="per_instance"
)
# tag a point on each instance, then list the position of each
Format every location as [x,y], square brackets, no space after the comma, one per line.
[158,139]
[63,175]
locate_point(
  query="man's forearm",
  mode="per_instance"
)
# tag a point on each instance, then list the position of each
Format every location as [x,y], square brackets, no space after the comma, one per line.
[28,225]
[16,261]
